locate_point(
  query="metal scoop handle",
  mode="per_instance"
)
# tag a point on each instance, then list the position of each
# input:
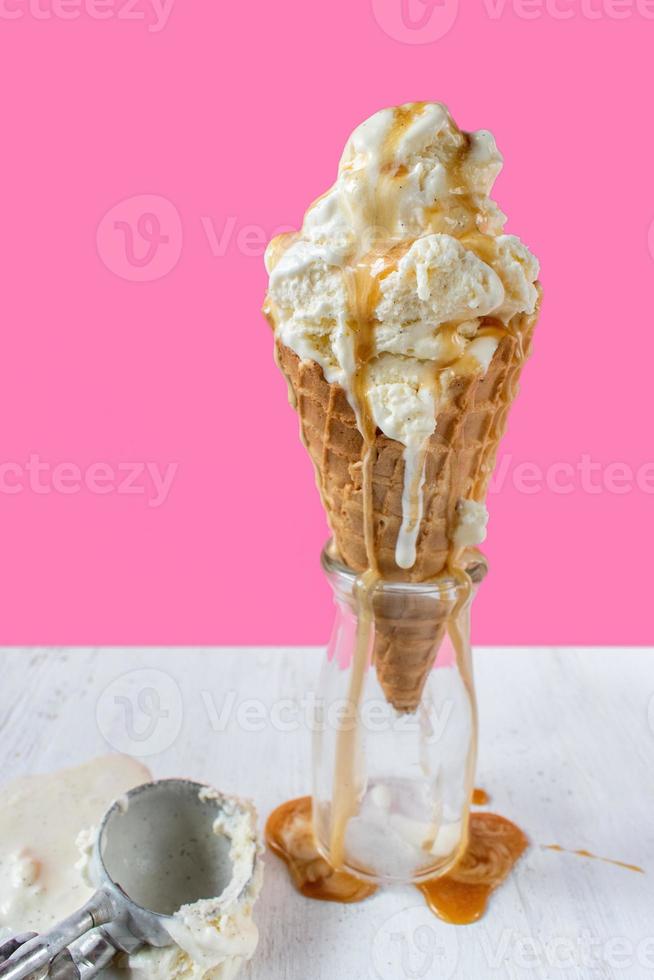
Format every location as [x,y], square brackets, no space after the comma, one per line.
[36,955]
[76,962]
[87,956]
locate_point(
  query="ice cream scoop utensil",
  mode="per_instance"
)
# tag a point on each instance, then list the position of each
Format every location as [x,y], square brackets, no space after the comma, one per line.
[157,849]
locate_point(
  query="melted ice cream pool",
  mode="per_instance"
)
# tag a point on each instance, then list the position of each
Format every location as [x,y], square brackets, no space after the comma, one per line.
[409,249]
[41,819]
[47,833]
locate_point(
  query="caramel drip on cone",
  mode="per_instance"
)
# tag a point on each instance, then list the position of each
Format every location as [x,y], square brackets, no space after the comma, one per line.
[362,488]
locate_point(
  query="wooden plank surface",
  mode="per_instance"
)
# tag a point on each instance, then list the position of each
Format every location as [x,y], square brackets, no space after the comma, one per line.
[567,751]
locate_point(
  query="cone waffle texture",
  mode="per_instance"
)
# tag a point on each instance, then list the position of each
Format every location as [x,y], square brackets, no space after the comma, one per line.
[459,463]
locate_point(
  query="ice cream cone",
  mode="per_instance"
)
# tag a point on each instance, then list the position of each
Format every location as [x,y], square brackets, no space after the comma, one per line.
[459,463]
[402,314]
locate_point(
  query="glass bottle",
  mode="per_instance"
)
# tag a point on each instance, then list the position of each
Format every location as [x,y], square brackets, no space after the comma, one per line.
[393,772]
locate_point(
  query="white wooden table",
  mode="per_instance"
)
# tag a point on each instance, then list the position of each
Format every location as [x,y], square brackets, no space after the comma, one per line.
[567,751]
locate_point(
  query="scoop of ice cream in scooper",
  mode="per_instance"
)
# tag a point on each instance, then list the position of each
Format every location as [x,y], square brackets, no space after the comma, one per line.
[171,859]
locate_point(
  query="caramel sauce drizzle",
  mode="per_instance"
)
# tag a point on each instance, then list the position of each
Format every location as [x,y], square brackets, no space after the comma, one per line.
[459,897]
[594,857]
[344,791]
[363,294]
[363,289]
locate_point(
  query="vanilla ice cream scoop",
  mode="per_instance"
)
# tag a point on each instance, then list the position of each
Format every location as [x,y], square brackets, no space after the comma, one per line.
[396,276]
[176,867]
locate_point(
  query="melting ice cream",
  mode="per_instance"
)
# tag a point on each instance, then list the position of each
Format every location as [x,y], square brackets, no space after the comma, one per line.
[393,279]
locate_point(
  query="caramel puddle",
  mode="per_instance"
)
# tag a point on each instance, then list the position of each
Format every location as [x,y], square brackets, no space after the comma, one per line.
[289,833]
[594,857]
[480,797]
[494,846]
[459,897]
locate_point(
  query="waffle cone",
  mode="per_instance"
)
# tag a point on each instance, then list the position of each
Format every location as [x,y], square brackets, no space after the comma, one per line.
[459,463]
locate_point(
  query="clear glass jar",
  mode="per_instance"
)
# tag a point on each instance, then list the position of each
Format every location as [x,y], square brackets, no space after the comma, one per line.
[393,760]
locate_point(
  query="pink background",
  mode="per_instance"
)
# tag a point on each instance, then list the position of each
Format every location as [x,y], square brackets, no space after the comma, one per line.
[235,114]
